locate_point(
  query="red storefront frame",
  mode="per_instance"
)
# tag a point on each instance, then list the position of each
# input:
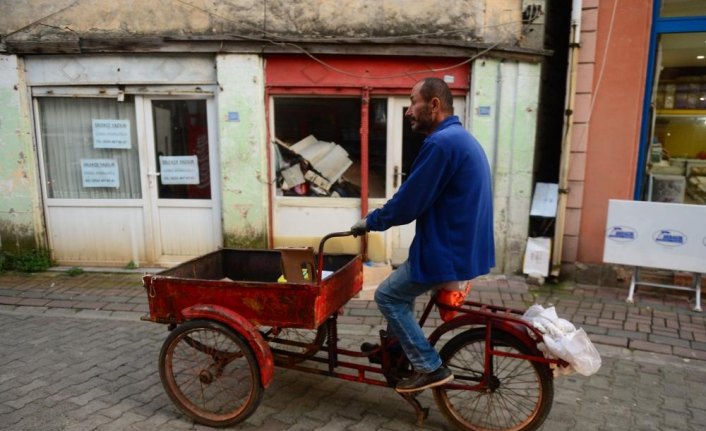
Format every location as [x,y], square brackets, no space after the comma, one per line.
[348,75]
[356,76]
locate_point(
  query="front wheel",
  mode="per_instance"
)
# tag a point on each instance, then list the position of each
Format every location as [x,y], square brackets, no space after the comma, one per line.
[514,394]
[210,373]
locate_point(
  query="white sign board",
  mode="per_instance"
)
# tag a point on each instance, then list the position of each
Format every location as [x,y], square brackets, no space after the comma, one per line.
[111,134]
[179,169]
[545,200]
[656,235]
[537,256]
[100,173]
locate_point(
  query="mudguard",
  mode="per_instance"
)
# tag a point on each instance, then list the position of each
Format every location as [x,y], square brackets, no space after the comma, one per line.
[244,328]
[514,327]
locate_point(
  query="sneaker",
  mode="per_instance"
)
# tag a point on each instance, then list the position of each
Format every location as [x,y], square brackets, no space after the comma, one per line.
[421,381]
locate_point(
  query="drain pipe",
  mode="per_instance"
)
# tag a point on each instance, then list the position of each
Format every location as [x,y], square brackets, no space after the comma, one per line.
[574,45]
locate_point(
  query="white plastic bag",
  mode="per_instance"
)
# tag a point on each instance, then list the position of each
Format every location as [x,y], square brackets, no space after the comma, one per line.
[563,340]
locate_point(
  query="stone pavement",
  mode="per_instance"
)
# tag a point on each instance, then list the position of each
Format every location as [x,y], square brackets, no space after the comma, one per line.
[75,356]
[660,320]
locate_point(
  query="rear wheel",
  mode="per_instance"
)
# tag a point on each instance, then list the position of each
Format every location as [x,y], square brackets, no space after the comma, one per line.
[210,373]
[518,394]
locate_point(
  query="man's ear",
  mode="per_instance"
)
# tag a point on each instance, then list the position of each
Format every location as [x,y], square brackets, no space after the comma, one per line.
[435,104]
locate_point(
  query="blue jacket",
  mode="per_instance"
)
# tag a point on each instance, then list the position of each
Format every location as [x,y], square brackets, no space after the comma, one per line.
[449,193]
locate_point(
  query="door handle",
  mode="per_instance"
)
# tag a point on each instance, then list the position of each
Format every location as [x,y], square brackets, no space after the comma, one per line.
[152,177]
[397,177]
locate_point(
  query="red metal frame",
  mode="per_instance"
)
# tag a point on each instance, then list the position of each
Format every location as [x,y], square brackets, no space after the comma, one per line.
[478,314]
[471,314]
[364,140]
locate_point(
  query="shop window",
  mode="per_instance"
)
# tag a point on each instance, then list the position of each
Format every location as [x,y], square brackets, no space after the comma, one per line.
[677,160]
[181,145]
[90,148]
[319,145]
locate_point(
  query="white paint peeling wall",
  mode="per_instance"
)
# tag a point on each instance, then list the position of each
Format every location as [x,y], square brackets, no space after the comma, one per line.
[503,114]
[241,124]
[20,213]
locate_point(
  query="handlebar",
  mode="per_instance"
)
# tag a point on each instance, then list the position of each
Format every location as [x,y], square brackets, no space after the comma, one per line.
[333,235]
[320,265]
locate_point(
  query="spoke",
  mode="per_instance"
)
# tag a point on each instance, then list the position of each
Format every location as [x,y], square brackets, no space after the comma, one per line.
[465,399]
[476,374]
[188,371]
[506,409]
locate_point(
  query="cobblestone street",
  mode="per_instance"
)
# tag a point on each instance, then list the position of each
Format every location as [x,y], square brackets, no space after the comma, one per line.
[67,366]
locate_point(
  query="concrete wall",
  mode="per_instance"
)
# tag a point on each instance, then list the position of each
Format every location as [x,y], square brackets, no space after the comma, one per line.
[62,21]
[242,150]
[19,205]
[503,115]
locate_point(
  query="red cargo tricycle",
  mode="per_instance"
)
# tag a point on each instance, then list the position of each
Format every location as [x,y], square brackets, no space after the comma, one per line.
[231,321]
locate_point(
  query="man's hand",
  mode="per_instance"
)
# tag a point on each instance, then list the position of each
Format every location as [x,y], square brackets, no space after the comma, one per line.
[360,227]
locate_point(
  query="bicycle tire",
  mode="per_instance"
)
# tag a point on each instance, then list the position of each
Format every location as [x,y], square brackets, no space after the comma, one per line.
[522,390]
[210,373]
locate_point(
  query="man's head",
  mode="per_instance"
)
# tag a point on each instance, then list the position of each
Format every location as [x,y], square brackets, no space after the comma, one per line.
[431,104]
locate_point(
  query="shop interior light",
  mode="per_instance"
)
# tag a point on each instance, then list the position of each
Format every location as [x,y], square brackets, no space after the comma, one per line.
[700,57]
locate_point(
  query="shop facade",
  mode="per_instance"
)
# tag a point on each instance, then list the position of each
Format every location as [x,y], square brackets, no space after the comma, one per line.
[153,156]
[638,120]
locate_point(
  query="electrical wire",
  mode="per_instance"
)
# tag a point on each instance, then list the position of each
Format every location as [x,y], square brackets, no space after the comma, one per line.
[536,13]
[534,16]
[278,41]
[43,18]
[599,80]
[395,75]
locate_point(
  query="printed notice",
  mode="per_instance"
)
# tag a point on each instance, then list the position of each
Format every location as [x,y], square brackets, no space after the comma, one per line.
[179,169]
[111,134]
[100,173]
[544,202]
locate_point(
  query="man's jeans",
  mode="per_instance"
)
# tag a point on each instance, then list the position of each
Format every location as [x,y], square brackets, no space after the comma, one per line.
[395,298]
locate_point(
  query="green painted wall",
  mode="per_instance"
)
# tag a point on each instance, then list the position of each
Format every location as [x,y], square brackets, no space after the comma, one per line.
[503,116]
[243,158]
[20,215]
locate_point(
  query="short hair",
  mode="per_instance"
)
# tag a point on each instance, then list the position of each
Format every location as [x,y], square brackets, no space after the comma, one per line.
[436,87]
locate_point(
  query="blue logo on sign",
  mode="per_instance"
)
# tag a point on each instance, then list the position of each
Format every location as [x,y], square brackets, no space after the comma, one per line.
[622,234]
[670,238]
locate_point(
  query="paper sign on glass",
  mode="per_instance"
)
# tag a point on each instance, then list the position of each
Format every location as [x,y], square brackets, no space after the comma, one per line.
[179,170]
[111,134]
[100,173]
